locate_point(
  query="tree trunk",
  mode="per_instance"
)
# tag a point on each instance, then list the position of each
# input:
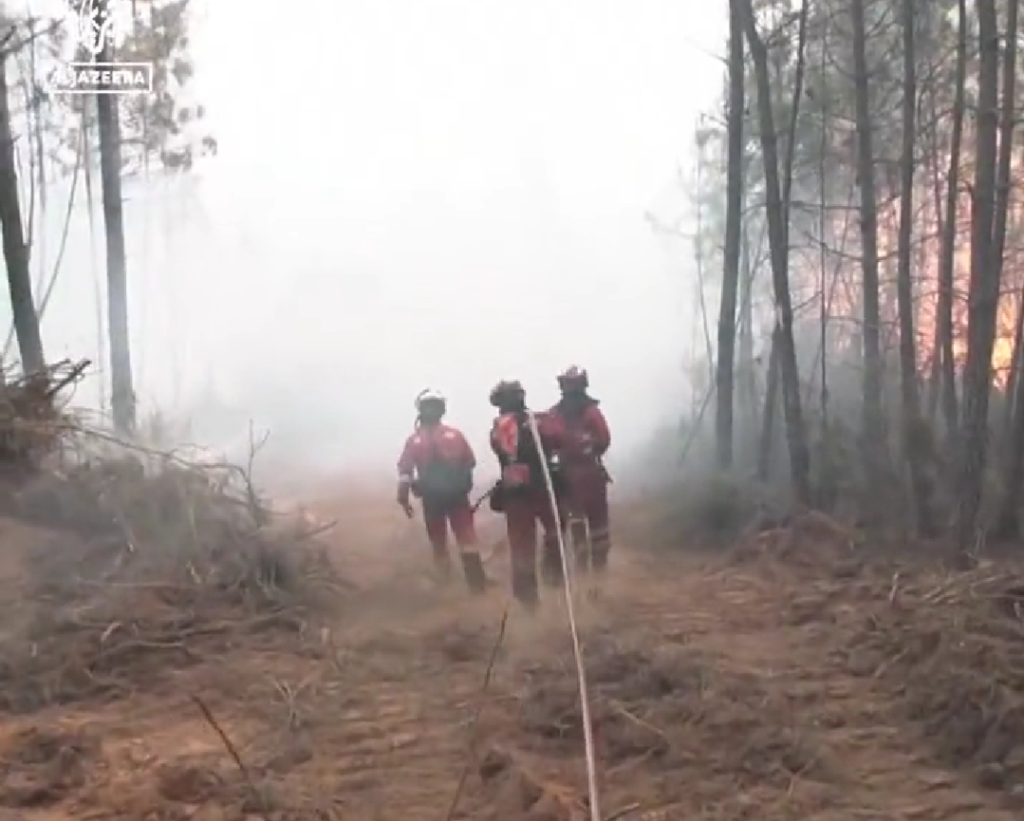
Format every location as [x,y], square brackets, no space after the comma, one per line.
[724,376]
[912,422]
[1007,524]
[950,405]
[1013,377]
[771,392]
[97,278]
[935,363]
[34,103]
[873,424]
[1004,180]
[1008,521]
[777,208]
[745,371]
[122,392]
[825,476]
[16,256]
[983,297]
[1010,409]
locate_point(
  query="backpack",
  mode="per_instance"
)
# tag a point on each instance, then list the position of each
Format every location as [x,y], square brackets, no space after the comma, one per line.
[442,481]
[521,462]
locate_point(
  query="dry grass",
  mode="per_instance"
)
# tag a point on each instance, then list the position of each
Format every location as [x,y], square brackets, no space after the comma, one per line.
[169,567]
[157,562]
[951,647]
[180,658]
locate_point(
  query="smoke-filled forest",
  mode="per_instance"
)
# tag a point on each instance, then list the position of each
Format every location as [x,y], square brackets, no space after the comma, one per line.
[625,471]
[855,220]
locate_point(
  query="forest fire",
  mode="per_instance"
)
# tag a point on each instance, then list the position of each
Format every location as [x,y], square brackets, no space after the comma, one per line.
[903,181]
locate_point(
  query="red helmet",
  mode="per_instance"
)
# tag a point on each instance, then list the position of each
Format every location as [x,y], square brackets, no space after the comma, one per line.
[506,391]
[574,378]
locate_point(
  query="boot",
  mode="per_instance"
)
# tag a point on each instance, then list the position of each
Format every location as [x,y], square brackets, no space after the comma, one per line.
[473,569]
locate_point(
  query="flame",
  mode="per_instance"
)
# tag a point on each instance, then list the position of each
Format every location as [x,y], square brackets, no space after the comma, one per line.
[926,265]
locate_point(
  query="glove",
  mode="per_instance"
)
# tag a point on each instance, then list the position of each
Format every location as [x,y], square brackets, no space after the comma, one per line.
[402,497]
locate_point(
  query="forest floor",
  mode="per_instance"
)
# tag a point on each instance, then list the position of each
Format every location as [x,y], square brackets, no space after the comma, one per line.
[798,677]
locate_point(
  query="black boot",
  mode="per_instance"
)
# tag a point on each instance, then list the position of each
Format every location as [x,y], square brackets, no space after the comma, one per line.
[473,569]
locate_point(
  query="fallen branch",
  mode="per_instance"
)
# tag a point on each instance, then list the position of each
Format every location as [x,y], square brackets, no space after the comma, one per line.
[236,757]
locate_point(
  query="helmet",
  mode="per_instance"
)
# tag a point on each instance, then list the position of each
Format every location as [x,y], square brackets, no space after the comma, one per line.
[430,400]
[507,391]
[574,378]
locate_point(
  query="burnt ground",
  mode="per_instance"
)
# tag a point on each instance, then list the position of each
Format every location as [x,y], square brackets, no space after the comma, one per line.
[797,678]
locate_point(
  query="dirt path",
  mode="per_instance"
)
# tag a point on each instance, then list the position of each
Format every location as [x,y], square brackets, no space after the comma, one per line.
[723,693]
[711,703]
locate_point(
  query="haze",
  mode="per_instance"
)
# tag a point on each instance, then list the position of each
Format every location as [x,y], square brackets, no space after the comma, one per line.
[409,194]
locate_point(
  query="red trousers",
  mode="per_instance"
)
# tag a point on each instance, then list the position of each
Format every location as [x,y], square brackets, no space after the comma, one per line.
[437,518]
[587,498]
[523,510]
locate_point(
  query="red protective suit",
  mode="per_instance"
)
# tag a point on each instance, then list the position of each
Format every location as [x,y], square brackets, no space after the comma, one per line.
[586,439]
[524,499]
[437,465]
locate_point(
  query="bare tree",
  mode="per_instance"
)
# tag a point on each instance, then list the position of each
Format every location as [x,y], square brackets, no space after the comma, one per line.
[905,289]
[122,391]
[1008,523]
[950,406]
[95,273]
[724,376]
[984,288]
[873,423]
[777,212]
[1004,177]
[16,254]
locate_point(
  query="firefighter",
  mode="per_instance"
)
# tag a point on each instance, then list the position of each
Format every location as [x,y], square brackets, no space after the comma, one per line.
[522,493]
[436,466]
[586,441]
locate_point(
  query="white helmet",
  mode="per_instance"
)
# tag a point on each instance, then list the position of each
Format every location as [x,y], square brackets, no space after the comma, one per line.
[430,396]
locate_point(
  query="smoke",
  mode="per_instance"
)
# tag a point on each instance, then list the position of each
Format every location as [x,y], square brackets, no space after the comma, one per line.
[406,197]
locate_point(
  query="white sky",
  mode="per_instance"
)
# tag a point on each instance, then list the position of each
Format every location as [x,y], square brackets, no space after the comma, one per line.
[412,193]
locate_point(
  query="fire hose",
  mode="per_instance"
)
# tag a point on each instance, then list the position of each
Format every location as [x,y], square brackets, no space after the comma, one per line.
[577,650]
[485,497]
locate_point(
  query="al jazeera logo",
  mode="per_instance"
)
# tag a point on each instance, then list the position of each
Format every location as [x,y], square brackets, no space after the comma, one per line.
[95,26]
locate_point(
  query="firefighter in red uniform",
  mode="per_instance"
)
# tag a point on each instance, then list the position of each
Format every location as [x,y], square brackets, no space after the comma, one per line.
[522,493]
[586,440]
[436,466]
